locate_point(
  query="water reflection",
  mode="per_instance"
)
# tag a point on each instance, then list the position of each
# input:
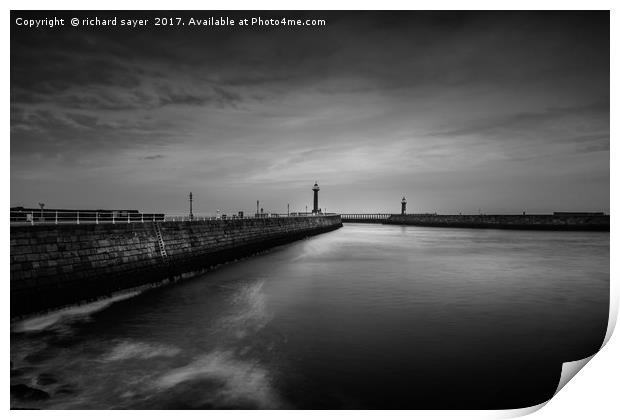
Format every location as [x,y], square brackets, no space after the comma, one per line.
[368,316]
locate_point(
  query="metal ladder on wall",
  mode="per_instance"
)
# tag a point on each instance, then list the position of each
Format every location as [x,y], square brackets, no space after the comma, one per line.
[161,244]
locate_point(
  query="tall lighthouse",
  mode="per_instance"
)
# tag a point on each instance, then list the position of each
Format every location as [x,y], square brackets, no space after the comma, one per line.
[315,188]
[403,206]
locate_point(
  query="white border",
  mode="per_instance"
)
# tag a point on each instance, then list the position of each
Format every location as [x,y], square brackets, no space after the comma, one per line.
[592,394]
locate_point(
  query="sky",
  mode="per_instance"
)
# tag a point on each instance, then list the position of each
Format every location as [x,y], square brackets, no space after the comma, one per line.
[493,112]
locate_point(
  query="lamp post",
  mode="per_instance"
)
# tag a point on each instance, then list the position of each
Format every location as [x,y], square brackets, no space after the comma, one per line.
[191,212]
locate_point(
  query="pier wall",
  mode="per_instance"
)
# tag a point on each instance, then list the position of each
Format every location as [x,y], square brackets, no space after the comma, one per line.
[503,221]
[56,265]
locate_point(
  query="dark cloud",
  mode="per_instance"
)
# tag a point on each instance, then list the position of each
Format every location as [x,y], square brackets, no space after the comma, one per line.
[213,95]
[382,49]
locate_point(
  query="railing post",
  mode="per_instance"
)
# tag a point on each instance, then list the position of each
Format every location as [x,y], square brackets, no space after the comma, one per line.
[78,218]
[96,217]
[128,217]
[56,218]
[113,214]
[32,219]
[142,217]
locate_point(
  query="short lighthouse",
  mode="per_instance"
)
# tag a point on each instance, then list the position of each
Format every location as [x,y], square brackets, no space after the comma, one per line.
[315,188]
[403,206]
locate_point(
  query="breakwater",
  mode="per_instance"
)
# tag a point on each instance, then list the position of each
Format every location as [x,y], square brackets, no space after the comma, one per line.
[561,221]
[56,265]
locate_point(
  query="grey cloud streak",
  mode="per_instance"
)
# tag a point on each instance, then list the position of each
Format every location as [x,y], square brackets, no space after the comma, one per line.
[582,124]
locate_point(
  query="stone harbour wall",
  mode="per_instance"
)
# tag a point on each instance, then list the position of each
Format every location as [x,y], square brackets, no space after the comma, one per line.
[506,221]
[57,265]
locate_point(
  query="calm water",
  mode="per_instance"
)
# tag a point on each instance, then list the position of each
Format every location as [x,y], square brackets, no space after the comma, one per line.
[368,316]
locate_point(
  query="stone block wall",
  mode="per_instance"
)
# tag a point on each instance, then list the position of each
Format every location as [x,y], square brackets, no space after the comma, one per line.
[506,221]
[56,265]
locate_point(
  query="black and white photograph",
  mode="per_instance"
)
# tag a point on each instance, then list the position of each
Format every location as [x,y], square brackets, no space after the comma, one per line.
[306,209]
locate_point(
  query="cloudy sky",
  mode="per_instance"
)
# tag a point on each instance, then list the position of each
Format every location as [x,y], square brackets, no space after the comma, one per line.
[502,112]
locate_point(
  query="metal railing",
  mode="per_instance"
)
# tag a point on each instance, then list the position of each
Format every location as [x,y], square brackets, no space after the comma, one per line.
[76,217]
[365,216]
[197,218]
[58,217]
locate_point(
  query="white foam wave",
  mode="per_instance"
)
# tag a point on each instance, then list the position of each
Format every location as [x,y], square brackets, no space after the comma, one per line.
[137,350]
[250,311]
[43,322]
[242,380]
